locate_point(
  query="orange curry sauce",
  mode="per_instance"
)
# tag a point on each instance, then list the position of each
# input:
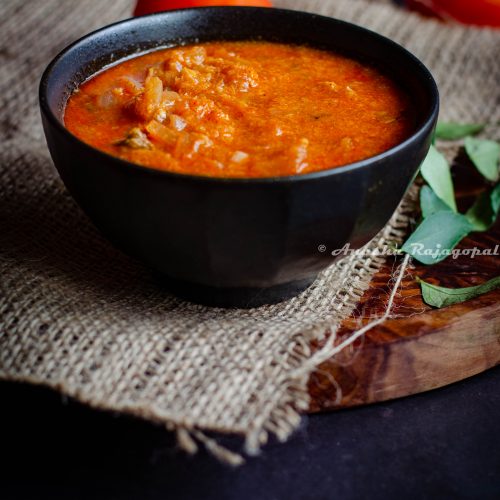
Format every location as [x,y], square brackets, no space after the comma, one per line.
[240,109]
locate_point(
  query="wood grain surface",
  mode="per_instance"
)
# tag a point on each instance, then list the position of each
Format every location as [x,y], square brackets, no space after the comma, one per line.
[419,348]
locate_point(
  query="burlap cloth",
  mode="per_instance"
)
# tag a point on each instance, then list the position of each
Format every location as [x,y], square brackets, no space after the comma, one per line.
[78,316]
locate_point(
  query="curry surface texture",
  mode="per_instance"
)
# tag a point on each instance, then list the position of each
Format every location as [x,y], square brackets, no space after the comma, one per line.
[240,109]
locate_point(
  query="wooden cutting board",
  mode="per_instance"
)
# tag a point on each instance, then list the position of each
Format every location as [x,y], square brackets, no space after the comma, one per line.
[421,348]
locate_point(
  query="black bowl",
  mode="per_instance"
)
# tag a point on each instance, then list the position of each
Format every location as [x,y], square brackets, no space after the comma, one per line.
[235,242]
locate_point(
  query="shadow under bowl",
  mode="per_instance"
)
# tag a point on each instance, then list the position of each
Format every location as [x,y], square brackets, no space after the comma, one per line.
[235,242]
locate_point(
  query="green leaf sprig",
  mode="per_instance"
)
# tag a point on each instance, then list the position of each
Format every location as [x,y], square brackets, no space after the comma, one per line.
[442,226]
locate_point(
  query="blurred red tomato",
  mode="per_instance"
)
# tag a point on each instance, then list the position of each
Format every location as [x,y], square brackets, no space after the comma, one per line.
[478,12]
[149,6]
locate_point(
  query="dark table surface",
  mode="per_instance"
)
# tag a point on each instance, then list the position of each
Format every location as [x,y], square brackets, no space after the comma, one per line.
[439,445]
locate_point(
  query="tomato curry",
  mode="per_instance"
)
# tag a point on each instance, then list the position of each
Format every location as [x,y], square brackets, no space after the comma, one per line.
[240,109]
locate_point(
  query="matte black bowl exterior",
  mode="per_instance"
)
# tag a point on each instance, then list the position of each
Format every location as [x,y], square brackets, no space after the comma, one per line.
[235,242]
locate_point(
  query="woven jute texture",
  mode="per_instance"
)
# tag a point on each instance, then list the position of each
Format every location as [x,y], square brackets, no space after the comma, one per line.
[78,316]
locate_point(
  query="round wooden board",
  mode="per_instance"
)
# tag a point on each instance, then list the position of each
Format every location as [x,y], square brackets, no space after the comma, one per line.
[420,348]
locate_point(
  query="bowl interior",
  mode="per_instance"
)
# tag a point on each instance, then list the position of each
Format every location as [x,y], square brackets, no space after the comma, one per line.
[125,39]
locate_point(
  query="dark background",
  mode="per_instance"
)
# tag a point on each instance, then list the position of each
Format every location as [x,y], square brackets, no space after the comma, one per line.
[438,445]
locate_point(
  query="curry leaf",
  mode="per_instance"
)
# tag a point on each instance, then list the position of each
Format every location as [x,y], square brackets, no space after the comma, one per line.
[452,131]
[483,214]
[436,171]
[430,203]
[485,155]
[438,296]
[436,236]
